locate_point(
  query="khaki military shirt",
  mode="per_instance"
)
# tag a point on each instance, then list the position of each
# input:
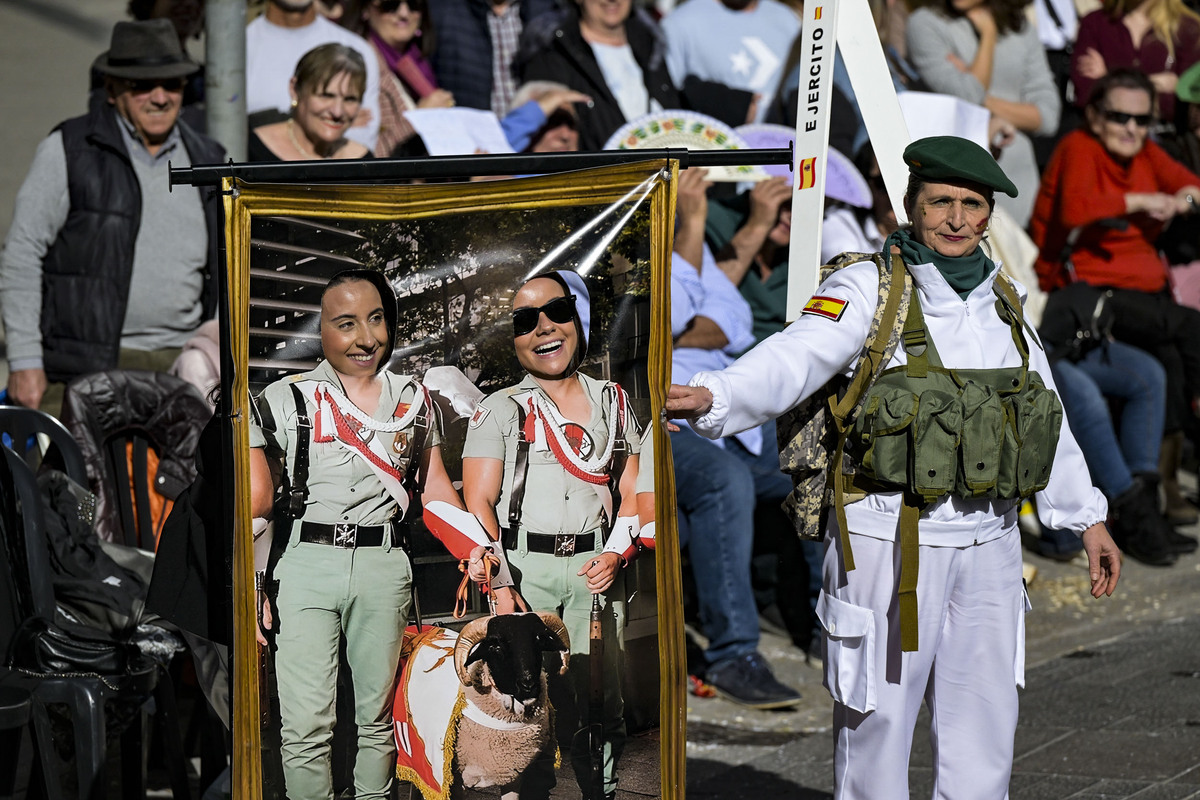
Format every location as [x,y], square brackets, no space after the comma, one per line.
[341,486]
[555,501]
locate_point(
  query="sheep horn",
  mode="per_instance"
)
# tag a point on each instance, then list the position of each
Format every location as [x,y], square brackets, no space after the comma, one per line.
[556,626]
[471,634]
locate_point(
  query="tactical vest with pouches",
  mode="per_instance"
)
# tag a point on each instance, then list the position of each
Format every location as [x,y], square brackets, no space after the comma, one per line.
[927,431]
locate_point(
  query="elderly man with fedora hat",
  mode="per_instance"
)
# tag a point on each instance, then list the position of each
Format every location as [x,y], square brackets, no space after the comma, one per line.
[104,267]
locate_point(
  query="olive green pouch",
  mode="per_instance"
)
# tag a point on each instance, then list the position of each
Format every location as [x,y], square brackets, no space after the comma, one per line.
[983,433]
[936,436]
[884,428]
[1037,418]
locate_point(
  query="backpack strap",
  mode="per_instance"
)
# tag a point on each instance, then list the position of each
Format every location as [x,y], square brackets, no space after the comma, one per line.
[516,490]
[1008,306]
[895,292]
[297,494]
[414,477]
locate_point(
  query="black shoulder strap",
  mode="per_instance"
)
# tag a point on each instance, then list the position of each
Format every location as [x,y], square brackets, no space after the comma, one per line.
[516,492]
[1053,12]
[298,492]
[414,477]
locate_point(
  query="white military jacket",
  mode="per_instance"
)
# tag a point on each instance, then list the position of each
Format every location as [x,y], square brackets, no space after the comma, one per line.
[790,365]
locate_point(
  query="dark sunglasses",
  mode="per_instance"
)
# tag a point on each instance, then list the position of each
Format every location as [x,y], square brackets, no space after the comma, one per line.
[147,85]
[388,6]
[560,310]
[1122,118]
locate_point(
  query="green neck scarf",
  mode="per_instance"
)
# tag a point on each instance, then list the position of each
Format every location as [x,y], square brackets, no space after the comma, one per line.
[963,273]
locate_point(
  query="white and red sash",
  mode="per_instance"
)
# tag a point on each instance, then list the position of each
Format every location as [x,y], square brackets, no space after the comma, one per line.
[337,420]
[543,429]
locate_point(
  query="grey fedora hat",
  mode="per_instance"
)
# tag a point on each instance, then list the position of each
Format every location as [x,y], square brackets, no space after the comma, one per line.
[141,50]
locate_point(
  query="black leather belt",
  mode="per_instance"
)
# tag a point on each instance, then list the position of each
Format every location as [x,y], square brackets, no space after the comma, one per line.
[343,534]
[562,545]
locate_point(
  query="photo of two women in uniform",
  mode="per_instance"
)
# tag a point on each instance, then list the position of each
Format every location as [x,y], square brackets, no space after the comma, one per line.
[456,386]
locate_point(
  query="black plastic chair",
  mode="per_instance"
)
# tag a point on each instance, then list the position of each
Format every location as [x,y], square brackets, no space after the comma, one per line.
[22,425]
[27,570]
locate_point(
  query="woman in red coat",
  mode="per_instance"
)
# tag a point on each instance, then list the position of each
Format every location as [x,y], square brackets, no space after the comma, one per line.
[1116,190]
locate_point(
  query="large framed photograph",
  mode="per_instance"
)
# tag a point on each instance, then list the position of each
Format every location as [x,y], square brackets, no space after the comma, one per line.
[502,288]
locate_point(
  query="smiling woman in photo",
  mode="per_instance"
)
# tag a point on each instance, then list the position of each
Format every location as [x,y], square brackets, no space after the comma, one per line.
[348,447]
[326,90]
[550,468]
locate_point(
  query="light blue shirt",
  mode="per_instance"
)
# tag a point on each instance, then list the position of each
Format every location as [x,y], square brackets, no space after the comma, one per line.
[709,293]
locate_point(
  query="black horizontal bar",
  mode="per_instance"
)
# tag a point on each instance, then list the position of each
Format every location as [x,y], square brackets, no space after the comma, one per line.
[347,171]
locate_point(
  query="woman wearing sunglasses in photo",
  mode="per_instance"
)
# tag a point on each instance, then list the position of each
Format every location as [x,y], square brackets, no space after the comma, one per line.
[550,467]
[1107,193]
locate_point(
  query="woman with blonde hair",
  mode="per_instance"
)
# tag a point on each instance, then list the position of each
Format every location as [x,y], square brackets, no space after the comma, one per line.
[1158,37]
[327,90]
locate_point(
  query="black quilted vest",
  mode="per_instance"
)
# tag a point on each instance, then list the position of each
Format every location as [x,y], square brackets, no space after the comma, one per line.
[86,272]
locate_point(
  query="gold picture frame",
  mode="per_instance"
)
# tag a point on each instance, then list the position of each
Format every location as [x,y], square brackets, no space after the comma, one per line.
[647,185]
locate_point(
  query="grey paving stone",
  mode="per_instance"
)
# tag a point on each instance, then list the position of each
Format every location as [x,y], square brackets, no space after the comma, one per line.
[1046,787]
[1116,755]
[1031,738]
[1167,791]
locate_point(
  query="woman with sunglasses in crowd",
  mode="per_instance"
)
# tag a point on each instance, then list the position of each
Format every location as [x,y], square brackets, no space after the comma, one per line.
[1113,190]
[327,89]
[550,467]
[402,34]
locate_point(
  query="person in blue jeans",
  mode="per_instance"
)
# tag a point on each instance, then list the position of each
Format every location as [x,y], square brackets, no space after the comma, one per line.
[716,488]
[1122,454]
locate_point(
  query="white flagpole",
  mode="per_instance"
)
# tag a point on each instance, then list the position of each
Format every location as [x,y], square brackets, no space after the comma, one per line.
[850,24]
[818,38]
[858,41]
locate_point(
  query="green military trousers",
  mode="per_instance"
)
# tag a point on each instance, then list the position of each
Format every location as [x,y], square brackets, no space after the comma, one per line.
[326,593]
[550,583]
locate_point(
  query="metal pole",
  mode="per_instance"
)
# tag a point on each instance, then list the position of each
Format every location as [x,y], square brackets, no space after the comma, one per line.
[383,170]
[225,76]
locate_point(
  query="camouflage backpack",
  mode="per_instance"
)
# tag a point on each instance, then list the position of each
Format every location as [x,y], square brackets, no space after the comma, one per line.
[812,436]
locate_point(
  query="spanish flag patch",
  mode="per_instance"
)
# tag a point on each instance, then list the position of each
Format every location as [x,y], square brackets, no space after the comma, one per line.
[808,173]
[828,307]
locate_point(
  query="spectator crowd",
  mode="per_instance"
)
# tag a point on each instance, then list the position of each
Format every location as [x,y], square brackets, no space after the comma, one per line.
[1092,110]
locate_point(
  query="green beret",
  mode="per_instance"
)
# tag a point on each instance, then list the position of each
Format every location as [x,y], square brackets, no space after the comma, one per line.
[942,159]
[1188,88]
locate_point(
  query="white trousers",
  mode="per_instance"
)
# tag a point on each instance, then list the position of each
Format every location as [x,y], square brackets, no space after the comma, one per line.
[971,620]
